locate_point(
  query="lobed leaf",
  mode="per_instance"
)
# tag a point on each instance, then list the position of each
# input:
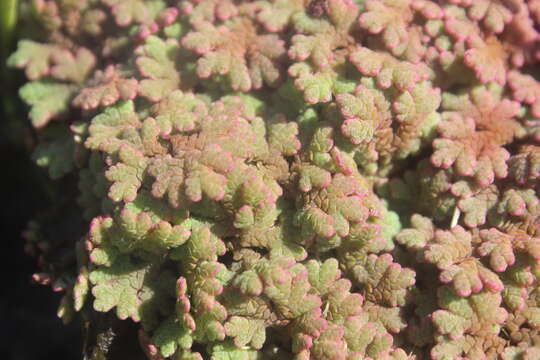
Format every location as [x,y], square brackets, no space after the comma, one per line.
[48,100]
[34,57]
[157,64]
[127,175]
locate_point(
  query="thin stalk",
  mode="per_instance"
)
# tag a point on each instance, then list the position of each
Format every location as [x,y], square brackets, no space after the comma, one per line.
[8,20]
[8,93]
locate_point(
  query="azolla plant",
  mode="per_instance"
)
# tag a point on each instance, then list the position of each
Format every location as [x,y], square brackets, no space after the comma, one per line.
[291,179]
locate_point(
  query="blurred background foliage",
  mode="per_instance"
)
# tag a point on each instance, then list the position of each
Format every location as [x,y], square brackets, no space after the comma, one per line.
[30,330]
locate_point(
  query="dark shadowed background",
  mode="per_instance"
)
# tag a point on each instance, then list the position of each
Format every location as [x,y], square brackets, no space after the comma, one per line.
[29,327]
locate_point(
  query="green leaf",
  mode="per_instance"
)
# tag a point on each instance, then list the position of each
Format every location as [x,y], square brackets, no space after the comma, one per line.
[130,288]
[158,65]
[227,351]
[171,335]
[169,174]
[417,237]
[48,100]
[179,112]
[127,11]
[282,135]
[57,153]
[276,15]
[115,126]
[81,289]
[246,331]
[73,67]
[365,111]
[127,175]
[36,58]
[477,206]
[386,281]
[317,86]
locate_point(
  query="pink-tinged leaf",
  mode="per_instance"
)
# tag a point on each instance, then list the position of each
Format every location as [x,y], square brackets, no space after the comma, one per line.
[73,67]
[472,134]
[34,57]
[357,131]
[518,202]
[317,86]
[206,175]
[504,247]
[128,11]
[391,318]
[288,287]
[414,49]
[416,112]
[318,48]
[169,174]
[249,59]
[170,336]
[428,9]
[167,16]
[515,296]
[499,247]
[364,337]
[329,213]
[494,14]
[461,315]
[210,10]
[470,276]
[386,281]
[179,112]
[449,247]
[525,165]
[451,324]
[81,289]
[249,283]
[526,89]
[390,17]
[447,152]
[313,176]
[152,144]
[414,105]
[477,206]
[388,70]
[521,352]
[365,112]
[318,38]
[459,26]
[488,60]
[106,88]
[320,222]
[330,344]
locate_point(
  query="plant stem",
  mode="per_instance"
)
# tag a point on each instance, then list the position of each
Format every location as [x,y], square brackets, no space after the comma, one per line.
[8,101]
[8,19]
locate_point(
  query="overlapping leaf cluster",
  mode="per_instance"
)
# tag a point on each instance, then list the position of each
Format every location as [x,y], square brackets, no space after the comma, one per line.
[294,179]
